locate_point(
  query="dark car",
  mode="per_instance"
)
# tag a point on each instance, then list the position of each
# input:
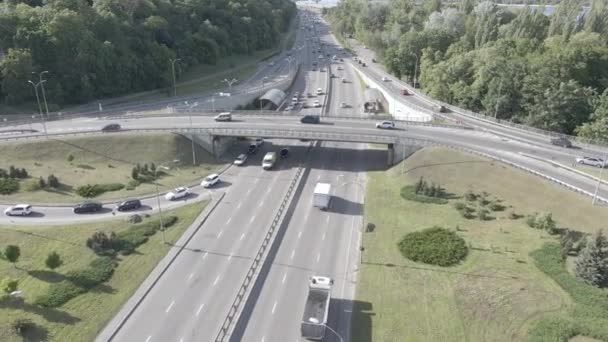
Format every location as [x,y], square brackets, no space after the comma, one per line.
[113,127]
[129,204]
[253,148]
[310,119]
[284,153]
[87,207]
[561,141]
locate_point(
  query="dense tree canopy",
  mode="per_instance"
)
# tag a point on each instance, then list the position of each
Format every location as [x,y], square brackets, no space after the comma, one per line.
[99,48]
[550,71]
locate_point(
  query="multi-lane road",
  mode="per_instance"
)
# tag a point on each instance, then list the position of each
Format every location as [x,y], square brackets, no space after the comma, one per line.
[192,299]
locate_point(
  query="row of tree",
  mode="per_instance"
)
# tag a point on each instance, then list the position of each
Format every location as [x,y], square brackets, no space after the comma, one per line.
[101,48]
[550,72]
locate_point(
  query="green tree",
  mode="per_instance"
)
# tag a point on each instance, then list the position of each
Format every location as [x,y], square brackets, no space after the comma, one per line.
[592,263]
[41,183]
[12,253]
[15,71]
[53,260]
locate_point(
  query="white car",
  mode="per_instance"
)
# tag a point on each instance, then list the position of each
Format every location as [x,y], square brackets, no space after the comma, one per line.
[240,160]
[343,105]
[211,180]
[289,108]
[224,94]
[319,91]
[597,162]
[316,103]
[385,125]
[320,56]
[385,79]
[294,101]
[177,193]
[18,210]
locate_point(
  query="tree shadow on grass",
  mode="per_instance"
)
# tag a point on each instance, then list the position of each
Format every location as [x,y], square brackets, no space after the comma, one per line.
[62,189]
[36,333]
[103,288]
[49,314]
[47,276]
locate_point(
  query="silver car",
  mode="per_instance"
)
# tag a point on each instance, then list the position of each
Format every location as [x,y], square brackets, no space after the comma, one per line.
[597,162]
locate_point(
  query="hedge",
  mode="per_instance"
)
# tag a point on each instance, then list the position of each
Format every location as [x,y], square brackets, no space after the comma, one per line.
[95,190]
[408,192]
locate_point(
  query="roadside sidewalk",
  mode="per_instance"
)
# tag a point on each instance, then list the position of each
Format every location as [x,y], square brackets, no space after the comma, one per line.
[116,323]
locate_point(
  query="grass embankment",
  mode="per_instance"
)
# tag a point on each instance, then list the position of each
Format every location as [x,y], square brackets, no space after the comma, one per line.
[81,318]
[103,160]
[498,292]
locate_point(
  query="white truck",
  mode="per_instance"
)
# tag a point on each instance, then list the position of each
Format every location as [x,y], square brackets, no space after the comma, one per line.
[316,309]
[269,160]
[321,198]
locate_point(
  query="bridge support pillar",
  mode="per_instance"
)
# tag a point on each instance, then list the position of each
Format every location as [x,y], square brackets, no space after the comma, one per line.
[399,151]
[216,145]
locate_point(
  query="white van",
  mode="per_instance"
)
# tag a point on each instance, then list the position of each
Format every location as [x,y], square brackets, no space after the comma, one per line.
[269,160]
[226,116]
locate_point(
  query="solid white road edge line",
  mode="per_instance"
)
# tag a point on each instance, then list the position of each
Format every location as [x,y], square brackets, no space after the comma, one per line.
[274,307]
[284,277]
[292,254]
[149,337]
[169,307]
[216,280]
[199,309]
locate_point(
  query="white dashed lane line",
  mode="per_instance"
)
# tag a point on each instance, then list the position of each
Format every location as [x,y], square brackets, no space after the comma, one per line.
[169,307]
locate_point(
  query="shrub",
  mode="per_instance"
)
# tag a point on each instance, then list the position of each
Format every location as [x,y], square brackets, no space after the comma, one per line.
[102,243]
[132,184]
[134,173]
[482,214]
[435,246]
[58,294]
[53,181]
[8,186]
[544,222]
[41,183]
[531,220]
[408,192]
[470,196]
[53,260]
[9,285]
[135,218]
[495,206]
[513,215]
[592,264]
[460,206]
[70,157]
[97,189]
[12,253]
[3,173]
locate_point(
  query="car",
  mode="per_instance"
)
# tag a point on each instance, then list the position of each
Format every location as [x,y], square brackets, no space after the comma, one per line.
[597,162]
[561,141]
[314,63]
[362,64]
[309,95]
[87,207]
[113,127]
[177,193]
[289,108]
[404,92]
[294,100]
[284,153]
[259,142]
[316,104]
[442,109]
[322,69]
[344,80]
[241,159]
[226,116]
[373,60]
[340,67]
[385,79]
[355,58]
[129,204]
[385,125]
[343,105]
[296,94]
[310,119]
[341,60]
[18,210]
[253,148]
[220,94]
[211,180]
[320,56]
[319,91]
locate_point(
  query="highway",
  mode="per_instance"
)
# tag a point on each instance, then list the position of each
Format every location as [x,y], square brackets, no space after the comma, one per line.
[191,300]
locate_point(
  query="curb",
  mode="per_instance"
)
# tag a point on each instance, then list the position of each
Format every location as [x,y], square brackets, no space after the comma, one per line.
[115,324]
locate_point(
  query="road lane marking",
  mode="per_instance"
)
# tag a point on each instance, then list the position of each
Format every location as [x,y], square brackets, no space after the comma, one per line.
[293,253]
[216,280]
[205,255]
[263,339]
[261,204]
[242,236]
[318,257]
[299,235]
[274,307]
[284,277]
[323,237]
[239,206]
[229,219]
[190,276]
[229,256]
[169,307]
[181,339]
[251,219]
[220,234]
[327,219]
[149,337]
[199,309]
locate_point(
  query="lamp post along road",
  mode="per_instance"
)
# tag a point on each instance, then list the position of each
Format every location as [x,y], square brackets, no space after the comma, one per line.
[599,181]
[35,85]
[230,83]
[160,212]
[192,134]
[41,82]
[173,71]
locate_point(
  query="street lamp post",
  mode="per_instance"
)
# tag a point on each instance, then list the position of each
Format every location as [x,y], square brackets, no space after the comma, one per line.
[46,106]
[173,71]
[192,134]
[35,85]
[599,181]
[160,212]
[230,83]
[263,80]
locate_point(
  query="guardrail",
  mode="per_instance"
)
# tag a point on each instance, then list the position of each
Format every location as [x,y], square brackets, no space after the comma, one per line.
[257,261]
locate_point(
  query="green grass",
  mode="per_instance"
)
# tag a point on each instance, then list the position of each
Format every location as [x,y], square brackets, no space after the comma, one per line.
[81,318]
[497,293]
[103,159]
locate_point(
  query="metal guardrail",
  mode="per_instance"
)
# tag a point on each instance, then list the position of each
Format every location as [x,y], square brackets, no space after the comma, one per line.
[257,261]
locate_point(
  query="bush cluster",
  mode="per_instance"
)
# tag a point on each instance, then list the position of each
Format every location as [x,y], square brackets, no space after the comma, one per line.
[435,246]
[14,172]
[430,190]
[592,264]
[127,240]
[542,222]
[77,282]
[145,173]
[8,186]
[478,205]
[95,190]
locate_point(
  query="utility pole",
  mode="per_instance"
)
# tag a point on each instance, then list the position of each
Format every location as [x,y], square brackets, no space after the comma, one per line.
[599,181]
[230,83]
[173,71]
